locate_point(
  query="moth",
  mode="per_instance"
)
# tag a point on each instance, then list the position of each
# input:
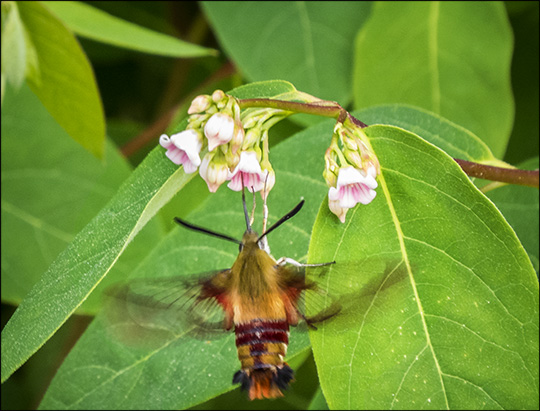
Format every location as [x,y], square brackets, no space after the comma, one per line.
[259,298]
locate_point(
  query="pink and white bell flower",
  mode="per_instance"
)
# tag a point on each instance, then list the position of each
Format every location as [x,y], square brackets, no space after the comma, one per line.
[183,148]
[213,171]
[353,187]
[219,129]
[247,172]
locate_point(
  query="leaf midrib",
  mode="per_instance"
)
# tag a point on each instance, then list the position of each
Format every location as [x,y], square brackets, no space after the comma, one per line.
[405,257]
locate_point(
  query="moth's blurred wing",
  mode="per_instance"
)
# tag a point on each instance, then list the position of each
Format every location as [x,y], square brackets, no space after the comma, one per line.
[169,307]
[327,290]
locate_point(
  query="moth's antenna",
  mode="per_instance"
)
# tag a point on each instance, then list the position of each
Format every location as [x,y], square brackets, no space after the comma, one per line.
[206,231]
[248,225]
[290,214]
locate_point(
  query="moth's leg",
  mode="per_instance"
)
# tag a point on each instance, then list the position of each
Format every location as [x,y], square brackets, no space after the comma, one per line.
[292,261]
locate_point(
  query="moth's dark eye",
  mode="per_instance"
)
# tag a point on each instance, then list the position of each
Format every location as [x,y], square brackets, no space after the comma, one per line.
[240,247]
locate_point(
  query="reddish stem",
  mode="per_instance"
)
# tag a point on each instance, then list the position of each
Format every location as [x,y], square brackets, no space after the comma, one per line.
[505,175]
[334,110]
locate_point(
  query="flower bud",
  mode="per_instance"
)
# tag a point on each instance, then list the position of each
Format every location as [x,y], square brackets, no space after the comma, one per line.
[219,129]
[269,178]
[214,171]
[238,136]
[354,158]
[340,212]
[252,137]
[331,168]
[200,104]
[218,95]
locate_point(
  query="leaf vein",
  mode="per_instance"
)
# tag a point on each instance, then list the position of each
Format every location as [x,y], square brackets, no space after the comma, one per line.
[468,269]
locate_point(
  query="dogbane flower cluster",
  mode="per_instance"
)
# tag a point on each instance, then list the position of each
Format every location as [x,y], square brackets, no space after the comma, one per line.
[351,169]
[225,143]
[233,144]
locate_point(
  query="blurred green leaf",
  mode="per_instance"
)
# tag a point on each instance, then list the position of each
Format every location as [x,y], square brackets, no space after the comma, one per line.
[63,78]
[525,81]
[452,322]
[95,24]
[452,58]
[50,195]
[91,255]
[307,43]
[453,139]
[519,205]
[13,46]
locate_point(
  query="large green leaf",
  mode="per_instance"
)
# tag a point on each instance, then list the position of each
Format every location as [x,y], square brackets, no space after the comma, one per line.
[453,139]
[51,188]
[95,24]
[90,256]
[307,43]
[63,78]
[452,58]
[449,317]
[519,206]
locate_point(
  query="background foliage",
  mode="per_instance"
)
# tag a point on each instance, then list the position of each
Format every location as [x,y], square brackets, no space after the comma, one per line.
[462,76]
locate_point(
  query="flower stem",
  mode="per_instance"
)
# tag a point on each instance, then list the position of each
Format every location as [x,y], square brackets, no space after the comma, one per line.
[333,109]
[319,108]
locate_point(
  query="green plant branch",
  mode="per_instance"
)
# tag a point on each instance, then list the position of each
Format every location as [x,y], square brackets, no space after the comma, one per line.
[333,109]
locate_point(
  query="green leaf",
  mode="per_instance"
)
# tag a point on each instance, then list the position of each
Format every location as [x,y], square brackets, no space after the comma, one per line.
[90,22]
[51,188]
[318,402]
[90,256]
[265,89]
[308,44]
[453,139]
[64,81]
[452,321]
[519,205]
[103,373]
[451,58]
